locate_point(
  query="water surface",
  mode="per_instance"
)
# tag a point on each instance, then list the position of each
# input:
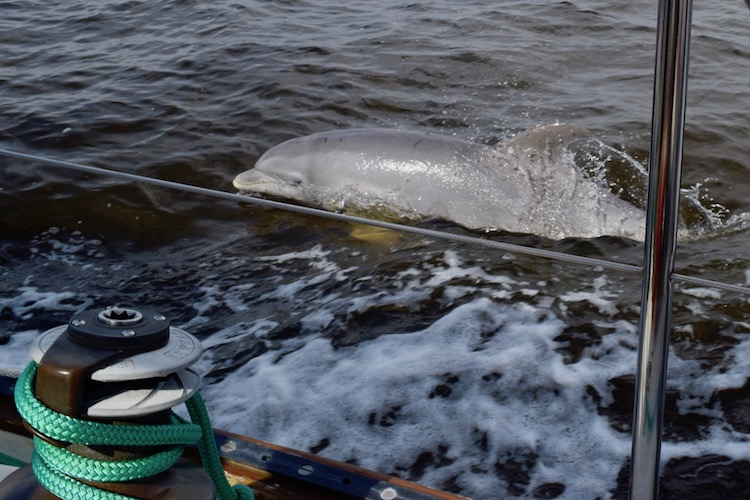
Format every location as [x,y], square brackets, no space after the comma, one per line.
[484,373]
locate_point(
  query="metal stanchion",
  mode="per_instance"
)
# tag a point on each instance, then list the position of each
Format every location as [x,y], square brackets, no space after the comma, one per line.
[670,89]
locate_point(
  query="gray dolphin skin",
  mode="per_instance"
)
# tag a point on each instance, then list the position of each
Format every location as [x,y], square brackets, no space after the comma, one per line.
[520,185]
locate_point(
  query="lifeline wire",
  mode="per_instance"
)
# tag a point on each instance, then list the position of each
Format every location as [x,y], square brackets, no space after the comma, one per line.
[316,212]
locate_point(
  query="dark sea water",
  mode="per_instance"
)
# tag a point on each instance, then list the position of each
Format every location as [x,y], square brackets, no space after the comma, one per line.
[468,369]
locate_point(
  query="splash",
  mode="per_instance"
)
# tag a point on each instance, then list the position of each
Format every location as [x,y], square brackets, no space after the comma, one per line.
[701,216]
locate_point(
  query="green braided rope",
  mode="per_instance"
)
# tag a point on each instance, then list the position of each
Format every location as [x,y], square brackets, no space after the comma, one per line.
[210,456]
[59,470]
[12,461]
[66,487]
[72,430]
[91,469]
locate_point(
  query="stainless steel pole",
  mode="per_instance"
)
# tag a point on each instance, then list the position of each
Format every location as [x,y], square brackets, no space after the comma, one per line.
[670,89]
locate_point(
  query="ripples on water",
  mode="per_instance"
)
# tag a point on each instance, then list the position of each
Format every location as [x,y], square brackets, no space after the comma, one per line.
[196,91]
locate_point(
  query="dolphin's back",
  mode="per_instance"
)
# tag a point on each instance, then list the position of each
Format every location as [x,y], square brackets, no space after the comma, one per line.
[355,147]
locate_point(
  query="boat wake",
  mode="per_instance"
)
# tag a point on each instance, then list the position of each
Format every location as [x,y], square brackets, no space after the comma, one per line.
[465,370]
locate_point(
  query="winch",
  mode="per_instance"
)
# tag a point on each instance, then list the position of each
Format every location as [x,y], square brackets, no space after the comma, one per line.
[115,363]
[98,399]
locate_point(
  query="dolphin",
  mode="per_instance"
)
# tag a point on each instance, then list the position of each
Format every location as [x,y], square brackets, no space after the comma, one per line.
[523,184]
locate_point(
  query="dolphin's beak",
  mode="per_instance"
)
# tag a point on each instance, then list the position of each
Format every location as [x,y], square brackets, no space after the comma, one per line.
[256,182]
[253,180]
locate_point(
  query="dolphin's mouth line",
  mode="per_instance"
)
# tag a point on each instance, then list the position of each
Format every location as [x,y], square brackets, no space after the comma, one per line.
[280,198]
[256,187]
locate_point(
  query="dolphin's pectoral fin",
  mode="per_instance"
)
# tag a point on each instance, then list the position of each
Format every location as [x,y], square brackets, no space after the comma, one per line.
[375,235]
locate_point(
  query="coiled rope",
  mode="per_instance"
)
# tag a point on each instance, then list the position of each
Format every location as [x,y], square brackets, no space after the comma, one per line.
[61,471]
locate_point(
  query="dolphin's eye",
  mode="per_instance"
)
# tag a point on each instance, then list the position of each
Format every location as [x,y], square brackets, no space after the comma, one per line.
[293,178]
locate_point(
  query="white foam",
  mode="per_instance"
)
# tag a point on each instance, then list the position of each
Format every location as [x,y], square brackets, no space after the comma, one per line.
[483,386]
[322,268]
[480,381]
[30,298]
[702,293]
[14,356]
[599,297]
[69,248]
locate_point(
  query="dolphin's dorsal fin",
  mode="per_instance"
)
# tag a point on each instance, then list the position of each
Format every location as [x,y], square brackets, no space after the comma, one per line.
[545,137]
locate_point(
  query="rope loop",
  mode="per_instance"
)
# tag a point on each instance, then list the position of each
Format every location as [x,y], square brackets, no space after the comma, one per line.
[61,471]
[65,428]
